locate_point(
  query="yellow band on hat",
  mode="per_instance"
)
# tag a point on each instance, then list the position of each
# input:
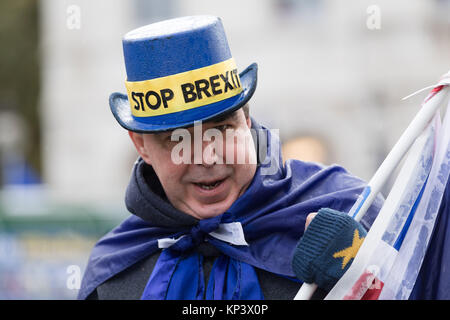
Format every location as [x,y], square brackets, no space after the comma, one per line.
[183,91]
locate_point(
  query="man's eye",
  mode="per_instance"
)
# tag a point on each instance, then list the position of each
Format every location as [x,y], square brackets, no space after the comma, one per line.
[223,127]
[167,139]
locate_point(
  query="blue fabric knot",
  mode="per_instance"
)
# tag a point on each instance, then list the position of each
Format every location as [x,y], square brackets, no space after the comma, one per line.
[197,234]
[179,276]
[178,273]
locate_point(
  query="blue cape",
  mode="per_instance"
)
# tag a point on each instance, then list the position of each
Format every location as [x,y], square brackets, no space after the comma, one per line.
[272,212]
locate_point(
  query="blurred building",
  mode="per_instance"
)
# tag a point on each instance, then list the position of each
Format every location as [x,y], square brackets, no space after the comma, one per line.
[331,79]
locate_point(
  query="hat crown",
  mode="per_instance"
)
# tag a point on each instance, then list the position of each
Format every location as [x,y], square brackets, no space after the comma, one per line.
[171,27]
[174,46]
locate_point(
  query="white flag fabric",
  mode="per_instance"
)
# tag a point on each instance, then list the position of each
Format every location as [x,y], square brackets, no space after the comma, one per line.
[407,265]
[390,257]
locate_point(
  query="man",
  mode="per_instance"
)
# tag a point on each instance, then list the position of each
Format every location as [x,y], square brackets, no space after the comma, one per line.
[206,189]
[215,212]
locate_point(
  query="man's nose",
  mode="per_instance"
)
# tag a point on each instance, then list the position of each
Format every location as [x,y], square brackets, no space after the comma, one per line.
[209,154]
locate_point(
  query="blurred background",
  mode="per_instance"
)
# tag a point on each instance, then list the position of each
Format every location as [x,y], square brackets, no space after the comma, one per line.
[331,78]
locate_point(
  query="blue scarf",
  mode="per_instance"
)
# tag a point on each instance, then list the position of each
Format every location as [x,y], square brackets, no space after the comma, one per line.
[272,212]
[178,273]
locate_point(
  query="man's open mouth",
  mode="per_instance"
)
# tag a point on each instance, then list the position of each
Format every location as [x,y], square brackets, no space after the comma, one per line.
[211,185]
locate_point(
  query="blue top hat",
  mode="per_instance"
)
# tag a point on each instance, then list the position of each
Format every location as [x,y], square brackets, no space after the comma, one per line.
[179,71]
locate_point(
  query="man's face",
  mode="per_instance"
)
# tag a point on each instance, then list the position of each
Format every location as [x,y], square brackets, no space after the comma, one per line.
[214,173]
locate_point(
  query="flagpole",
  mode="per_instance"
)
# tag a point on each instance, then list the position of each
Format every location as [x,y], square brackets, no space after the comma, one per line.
[394,157]
[397,153]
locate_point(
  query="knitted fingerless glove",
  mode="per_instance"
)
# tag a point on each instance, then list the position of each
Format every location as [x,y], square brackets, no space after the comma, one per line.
[327,248]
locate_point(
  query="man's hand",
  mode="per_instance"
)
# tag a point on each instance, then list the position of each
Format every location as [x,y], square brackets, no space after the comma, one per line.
[309,219]
[327,247]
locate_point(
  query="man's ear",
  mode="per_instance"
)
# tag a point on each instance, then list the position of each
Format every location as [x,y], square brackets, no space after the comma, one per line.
[249,122]
[138,141]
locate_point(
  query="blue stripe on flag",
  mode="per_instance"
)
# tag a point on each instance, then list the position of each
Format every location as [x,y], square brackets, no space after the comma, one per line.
[401,236]
[361,199]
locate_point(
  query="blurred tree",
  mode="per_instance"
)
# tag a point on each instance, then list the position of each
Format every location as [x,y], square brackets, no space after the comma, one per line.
[19,70]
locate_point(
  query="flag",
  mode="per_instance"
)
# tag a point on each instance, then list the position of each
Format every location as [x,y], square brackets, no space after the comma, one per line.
[412,253]
[389,260]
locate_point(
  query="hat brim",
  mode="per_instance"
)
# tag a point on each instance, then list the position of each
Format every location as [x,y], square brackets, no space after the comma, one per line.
[121,110]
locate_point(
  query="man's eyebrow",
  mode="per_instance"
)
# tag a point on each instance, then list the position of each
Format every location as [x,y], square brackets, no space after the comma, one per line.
[163,134]
[230,116]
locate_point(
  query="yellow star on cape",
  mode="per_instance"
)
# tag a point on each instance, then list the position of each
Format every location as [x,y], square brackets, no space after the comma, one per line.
[350,252]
